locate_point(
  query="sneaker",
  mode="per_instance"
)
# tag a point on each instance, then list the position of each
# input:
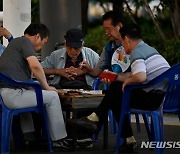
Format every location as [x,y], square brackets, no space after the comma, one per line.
[86,142]
[81,143]
[84,124]
[128,148]
[61,145]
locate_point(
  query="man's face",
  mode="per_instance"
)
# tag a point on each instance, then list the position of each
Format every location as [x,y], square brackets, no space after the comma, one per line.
[73,52]
[111,31]
[40,43]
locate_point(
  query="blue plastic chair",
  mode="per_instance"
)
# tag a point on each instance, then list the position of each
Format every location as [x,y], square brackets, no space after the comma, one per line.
[170,103]
[7,114]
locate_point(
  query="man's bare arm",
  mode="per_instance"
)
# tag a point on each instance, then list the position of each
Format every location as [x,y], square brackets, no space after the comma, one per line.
[138,77]
[94,72]
[4,32]
[38,72]
[123,76]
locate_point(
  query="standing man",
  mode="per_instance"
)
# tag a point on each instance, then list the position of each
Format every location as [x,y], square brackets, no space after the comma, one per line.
[19,62]
[64,63]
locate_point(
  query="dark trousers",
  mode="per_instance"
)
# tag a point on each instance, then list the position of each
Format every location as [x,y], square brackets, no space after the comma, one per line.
[139,100]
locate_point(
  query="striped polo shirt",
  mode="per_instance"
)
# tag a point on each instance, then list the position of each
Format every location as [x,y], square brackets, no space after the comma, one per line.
[145,58]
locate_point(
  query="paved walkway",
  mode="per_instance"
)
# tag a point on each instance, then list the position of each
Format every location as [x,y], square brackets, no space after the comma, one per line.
[169,119]
[171,133]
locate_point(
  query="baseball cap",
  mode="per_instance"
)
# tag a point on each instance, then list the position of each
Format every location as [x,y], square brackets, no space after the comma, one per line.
[74,38]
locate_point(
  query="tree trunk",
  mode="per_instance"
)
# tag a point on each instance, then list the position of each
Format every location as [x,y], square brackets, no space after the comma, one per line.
[154,20]
[84,13]
[118,6]
[175,16]
[130,13]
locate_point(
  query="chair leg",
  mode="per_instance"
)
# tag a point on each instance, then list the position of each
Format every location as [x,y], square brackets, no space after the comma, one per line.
[119,140]
[114,126]
[46,128]
[17,134]
[112,121]
[0,125]
[7,117]
[158,132]
[137,122]
[148,127]
[105,136]
[95,137]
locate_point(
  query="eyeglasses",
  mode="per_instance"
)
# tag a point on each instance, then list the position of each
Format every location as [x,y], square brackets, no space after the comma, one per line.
[109,29]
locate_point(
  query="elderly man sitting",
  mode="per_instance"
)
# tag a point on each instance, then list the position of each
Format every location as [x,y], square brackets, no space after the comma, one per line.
[64,63]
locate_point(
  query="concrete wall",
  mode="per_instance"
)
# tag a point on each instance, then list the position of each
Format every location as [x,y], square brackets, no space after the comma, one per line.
[59,16]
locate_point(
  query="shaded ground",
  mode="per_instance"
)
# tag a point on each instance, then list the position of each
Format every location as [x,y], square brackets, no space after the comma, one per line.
[172,133]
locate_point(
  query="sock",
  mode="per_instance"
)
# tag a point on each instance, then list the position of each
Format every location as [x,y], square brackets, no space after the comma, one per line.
[93,117]
[130,140]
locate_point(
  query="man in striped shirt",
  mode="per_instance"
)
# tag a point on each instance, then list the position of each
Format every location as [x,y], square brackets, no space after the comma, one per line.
[146,62]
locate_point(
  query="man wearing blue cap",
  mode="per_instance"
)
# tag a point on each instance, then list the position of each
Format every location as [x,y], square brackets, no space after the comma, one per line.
[64,63]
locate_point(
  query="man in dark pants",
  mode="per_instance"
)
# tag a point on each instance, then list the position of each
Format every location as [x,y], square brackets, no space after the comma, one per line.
[146,64]
[112,23]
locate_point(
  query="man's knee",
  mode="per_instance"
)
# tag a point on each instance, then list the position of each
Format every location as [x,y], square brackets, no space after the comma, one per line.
[51,97]
[54,95]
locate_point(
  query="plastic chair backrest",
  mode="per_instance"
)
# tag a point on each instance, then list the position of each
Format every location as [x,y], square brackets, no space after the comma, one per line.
[7,113]
[172,99]
[96,85]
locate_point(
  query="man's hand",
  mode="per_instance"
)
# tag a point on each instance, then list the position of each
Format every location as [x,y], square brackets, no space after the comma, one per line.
[136,78]
[70,73]
[106,77]
[4,32]
[74,71]
[107,81]
[50,88]
[65,73]
[124,84]
[84,66]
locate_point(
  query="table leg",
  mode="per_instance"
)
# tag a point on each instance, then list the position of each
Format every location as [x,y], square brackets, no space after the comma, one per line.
[105,133]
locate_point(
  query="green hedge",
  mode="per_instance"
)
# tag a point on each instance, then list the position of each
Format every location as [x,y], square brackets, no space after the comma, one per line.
[170,50]
[96,39]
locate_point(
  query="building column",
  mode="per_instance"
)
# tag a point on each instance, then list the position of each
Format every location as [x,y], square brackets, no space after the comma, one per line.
[16,16]
[59,16]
